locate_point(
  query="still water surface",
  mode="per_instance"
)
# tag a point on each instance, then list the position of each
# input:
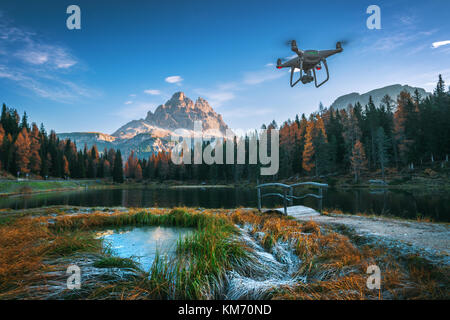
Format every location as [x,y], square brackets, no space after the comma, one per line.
[144,243]
[405,204]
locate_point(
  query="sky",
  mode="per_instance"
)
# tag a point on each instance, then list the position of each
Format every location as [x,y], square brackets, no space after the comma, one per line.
[131,56]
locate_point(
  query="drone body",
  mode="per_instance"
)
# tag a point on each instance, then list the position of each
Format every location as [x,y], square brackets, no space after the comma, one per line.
[307,61]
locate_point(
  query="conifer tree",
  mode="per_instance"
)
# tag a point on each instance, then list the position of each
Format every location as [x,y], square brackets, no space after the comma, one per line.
[118,168]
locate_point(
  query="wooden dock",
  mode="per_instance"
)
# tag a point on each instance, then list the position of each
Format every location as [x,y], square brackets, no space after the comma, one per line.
[296,211]
[287,194]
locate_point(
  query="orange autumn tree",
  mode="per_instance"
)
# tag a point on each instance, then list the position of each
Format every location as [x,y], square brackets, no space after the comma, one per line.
[138,172]
[65,164]
[314,152]
[358,159]
[35,145]
[22,151]
[309,151]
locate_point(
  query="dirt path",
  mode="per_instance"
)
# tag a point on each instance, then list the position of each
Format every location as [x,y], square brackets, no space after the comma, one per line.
[432,237]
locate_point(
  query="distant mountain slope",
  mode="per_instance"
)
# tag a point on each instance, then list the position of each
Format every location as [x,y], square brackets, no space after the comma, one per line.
[393,91]
[152,134]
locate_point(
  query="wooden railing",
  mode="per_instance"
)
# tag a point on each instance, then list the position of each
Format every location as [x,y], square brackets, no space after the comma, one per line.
[288,193]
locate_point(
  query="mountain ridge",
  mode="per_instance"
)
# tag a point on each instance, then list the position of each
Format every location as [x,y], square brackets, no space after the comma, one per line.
[377,94]
[152,134]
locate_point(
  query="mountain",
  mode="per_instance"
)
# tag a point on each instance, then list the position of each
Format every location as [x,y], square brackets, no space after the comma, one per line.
[179,112]
[152,134]
[393,91]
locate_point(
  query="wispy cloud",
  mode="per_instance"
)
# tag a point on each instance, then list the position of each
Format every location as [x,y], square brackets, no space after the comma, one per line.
[38,66]
[128,102]
[224,92]
[49,55]
[257,77]
[152,92]
[174,79]
[440,43]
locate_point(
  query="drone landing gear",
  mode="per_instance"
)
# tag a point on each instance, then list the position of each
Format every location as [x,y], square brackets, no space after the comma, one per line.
[301,73]
[315,76]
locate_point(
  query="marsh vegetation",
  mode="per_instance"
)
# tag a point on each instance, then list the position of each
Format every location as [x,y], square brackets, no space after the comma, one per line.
[230,254]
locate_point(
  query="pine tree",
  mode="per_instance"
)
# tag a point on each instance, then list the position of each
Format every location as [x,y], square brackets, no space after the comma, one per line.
[118,168]
[382,144]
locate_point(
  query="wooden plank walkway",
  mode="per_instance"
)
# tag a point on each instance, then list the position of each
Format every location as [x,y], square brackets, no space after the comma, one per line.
[298,211]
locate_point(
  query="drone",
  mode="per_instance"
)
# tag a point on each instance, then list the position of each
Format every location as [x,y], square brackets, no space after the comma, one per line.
[306,61]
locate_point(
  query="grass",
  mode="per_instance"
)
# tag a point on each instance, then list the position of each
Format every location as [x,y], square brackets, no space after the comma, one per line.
[36,245]
[116,262]
[11,187]
[419,217]
[336,266]
[196,272]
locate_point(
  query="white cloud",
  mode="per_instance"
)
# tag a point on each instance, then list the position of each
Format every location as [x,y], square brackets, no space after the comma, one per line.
[174,79]
[128,102]
[48,55]
[440,43]
[153,92]
[132,95]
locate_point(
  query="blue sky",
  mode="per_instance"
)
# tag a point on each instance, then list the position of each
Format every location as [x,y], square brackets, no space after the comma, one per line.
[131,56]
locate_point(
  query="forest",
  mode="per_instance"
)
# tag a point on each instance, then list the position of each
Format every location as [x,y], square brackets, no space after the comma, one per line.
[403,132]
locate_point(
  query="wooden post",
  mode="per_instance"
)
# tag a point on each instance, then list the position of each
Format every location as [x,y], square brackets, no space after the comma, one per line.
[320,200]
[259,199]
[291,195]
[285,202]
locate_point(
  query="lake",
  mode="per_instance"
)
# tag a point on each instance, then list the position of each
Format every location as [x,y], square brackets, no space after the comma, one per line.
[405,204]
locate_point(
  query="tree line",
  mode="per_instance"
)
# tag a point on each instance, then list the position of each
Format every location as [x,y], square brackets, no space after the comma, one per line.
[28,150]
[409,131]
[402,133]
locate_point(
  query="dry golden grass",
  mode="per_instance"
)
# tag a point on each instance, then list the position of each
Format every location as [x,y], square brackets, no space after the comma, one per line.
[335,266]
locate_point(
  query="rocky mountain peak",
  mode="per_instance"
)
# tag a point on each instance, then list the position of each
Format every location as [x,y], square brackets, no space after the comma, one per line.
[178,96]
[203,105]
[179,112]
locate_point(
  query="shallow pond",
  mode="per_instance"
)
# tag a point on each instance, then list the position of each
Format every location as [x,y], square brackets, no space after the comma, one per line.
[143,243]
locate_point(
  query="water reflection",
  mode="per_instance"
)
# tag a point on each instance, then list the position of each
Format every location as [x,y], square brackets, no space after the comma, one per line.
[144,242]
[378,201]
